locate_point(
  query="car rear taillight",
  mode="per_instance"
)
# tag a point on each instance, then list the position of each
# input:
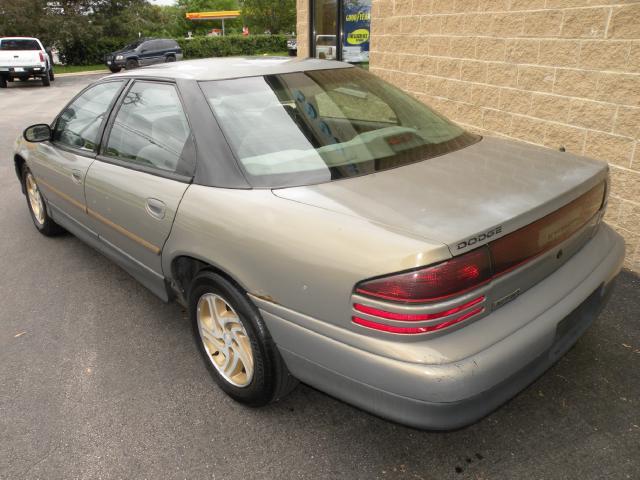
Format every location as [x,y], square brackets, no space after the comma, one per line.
[41,56]
[433,283]
[411,317]
[413,330]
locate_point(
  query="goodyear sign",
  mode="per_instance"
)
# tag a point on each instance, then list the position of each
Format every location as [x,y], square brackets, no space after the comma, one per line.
[357,30]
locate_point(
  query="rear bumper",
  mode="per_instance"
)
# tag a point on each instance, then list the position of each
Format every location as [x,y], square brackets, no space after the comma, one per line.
[28,71]
[452,395]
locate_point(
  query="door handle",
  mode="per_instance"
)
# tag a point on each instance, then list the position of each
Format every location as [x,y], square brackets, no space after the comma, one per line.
[155,208]
[76,176]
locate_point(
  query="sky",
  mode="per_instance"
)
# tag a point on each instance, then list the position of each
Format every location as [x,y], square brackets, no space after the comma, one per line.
[163,2]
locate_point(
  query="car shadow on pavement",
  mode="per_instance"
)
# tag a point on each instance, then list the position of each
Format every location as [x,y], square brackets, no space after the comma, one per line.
[581,415]
[24,84]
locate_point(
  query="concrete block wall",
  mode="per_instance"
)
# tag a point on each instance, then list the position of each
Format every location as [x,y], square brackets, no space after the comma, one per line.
[302,27]
[559,73]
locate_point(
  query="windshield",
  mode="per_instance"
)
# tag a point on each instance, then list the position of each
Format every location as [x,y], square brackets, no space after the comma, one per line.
[18,44]
[317,126]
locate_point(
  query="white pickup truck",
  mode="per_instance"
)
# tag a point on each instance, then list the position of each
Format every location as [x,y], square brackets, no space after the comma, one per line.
[24,58]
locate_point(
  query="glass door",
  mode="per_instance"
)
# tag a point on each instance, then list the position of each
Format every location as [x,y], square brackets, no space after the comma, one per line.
[340,30]
[325,29]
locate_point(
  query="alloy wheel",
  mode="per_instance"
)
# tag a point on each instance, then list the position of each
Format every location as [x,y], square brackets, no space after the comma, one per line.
[225,339]
[35,199]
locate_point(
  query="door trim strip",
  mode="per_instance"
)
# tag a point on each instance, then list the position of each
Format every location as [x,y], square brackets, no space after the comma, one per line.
[124,231]
[120,229]
[63,195]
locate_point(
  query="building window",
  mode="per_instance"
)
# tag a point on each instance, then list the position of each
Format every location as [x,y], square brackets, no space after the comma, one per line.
[356,26]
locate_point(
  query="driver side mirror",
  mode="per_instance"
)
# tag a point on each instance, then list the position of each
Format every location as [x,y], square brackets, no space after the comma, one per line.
[40,132]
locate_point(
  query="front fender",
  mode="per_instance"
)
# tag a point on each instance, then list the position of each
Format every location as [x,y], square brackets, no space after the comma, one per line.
[20,156]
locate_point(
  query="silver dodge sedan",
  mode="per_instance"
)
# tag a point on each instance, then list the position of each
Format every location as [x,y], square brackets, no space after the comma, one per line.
[321,225]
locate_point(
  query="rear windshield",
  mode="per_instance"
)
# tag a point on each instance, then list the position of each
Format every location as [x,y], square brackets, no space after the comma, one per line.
[316,126]
[19,44]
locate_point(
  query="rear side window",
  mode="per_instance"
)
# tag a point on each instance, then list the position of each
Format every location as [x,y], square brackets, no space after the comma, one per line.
[153,45]
[79,124]
[19,44]
[150,129]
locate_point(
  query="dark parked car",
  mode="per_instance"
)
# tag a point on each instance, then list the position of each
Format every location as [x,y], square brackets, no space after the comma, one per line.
[145,51]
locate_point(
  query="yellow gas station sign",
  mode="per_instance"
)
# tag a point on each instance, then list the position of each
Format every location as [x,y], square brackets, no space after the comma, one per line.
[219,15]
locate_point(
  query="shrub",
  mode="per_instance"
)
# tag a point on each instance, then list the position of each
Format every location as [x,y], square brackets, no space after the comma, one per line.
[230,45]
[89,52]
[93,52]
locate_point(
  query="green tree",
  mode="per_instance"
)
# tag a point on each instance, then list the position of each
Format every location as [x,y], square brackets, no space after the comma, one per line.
[275,16]
[26,18]
[70,22]
[126,18]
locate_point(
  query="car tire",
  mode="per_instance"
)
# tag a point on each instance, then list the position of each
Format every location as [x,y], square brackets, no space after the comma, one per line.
[115,69]
[225,320]
[3,82]
[170,59]
[52,76]
[46,81]
[38,207]
[131,64]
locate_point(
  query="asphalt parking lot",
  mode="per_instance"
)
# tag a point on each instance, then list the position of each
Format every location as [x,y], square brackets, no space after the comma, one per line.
[100,379]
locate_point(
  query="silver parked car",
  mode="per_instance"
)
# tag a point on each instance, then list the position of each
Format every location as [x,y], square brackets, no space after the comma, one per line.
[322,225]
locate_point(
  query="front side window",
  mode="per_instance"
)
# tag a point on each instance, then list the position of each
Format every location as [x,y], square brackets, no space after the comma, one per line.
[79,124]
[133,46]
[317,126]
[150,129]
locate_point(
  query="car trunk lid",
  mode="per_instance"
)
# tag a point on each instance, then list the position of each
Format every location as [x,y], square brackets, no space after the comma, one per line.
[465,198]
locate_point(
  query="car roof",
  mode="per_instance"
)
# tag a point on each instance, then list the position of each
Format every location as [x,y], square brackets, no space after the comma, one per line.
[18,38]
[232,67]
